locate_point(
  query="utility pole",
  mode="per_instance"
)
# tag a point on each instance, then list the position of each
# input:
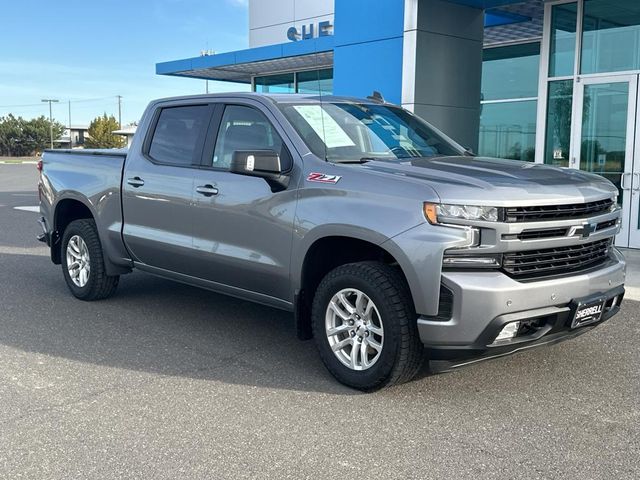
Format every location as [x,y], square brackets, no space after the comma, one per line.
[119,110]
[50,101]
[70,136]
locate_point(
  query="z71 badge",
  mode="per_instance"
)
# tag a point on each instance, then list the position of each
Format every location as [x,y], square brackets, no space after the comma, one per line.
[323,178]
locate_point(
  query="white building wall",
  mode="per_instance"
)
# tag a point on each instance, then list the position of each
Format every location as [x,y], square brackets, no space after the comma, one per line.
[269,20]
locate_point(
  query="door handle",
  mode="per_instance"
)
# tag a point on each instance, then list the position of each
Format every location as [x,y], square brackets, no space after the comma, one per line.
[636,182]
[622,181]
[135,182]
[207,190]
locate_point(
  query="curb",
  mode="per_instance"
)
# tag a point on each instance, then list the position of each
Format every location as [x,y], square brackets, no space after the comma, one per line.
[27,162]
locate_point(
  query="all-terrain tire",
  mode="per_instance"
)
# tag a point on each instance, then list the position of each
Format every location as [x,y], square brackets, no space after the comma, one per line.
[99,285]
[402,351]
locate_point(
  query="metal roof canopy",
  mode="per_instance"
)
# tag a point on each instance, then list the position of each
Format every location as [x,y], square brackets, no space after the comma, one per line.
[242,65]
[243,72]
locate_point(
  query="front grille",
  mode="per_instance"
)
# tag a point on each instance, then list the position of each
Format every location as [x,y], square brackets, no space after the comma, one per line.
[540,234]
[555,261]
[557,212]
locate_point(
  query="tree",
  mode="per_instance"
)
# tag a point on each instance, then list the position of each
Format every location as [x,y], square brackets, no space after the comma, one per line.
[100,133]
[20,137]
[36,135]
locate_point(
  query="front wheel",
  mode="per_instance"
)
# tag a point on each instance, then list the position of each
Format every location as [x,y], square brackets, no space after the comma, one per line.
[83,262]
[365,327]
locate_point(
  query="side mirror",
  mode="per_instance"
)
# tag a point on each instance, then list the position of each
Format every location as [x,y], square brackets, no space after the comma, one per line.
[260,163]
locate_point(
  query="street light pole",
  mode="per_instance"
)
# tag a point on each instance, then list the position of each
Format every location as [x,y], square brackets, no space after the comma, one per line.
[50,101]
[119,97]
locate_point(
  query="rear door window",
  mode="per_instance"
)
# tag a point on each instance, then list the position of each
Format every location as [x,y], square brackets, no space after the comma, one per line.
[178,136]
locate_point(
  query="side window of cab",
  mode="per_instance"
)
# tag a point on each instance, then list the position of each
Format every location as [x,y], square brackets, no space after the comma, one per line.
[179,134]
[246,128]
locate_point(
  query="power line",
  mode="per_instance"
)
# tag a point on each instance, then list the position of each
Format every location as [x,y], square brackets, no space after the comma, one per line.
[72,101]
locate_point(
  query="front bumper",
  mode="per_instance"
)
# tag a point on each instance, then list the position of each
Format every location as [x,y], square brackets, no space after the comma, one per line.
[483,302]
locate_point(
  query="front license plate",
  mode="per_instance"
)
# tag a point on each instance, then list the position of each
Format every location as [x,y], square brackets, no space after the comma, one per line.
[587,313]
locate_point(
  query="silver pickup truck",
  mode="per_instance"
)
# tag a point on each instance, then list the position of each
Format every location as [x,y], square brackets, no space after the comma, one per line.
[389,242]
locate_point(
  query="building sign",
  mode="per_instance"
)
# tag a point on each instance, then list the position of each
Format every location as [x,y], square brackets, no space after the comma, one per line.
[308,31]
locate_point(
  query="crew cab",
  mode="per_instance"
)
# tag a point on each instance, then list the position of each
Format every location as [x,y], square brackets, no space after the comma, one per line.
[388,241]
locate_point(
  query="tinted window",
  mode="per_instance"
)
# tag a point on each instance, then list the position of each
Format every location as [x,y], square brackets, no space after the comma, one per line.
[611,38]
[283,83]
[564,20]
[245,128]
[510,72]
[178,134]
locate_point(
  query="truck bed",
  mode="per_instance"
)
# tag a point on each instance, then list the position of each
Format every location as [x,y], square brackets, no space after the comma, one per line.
[95,175]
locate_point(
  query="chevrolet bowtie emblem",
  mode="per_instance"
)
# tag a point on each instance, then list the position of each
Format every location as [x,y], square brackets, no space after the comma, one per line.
[588,229]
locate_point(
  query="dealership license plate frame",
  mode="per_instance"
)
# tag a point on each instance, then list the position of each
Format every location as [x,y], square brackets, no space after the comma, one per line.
[584,305]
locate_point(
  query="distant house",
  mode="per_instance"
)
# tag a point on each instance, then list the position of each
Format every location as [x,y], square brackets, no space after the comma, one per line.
[73,137]
[127,132]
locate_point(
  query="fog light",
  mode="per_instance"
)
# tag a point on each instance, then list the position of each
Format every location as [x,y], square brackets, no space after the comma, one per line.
[509,331]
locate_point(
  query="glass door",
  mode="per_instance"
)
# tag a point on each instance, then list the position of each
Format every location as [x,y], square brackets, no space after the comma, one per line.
[634,225]
[604,141]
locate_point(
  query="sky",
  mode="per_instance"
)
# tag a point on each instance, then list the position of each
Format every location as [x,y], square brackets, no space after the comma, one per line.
[90,51]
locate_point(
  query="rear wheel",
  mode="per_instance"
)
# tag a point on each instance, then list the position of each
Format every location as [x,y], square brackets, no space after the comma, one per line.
[365,326]
[83,262]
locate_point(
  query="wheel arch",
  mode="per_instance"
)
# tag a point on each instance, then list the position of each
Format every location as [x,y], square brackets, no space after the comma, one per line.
[323,254]
[67,210]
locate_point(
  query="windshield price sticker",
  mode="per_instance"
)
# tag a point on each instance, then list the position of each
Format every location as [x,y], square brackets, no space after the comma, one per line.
[325,126]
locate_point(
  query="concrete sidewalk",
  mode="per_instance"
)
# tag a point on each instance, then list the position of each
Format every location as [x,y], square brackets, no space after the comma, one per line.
[632,284]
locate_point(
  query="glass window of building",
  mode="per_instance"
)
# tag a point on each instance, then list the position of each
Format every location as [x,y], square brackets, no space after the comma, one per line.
[509,92]
[508,130]
[611,36]
[310,82]
[558,134]
[564,18]
[510,72]
[282,83]
[316,82]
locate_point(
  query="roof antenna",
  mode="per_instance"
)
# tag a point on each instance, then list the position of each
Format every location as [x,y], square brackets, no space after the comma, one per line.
[376,97]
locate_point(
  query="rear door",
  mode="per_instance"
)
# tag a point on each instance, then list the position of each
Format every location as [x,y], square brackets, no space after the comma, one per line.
[158,187]
[243,232]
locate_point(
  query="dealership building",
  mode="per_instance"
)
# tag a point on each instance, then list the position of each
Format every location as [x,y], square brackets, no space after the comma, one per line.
[552,82]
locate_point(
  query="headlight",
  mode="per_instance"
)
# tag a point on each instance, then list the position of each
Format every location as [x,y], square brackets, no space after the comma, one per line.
[438,213]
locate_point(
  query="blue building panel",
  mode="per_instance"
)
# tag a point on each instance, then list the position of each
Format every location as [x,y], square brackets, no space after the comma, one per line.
[361,68]
[307,47]
[359,21]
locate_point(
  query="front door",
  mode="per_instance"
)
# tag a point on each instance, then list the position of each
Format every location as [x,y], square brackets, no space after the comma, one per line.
[242,228]
[604,142]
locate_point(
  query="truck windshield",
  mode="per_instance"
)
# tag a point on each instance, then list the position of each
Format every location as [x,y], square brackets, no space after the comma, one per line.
[357,132]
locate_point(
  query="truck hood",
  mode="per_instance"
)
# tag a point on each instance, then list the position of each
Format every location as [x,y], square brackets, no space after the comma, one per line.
[497,182]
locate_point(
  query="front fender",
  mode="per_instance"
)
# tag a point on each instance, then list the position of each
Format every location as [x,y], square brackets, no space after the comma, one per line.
[419,253]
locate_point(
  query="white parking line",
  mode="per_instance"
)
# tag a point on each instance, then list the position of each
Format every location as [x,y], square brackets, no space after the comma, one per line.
[28,209]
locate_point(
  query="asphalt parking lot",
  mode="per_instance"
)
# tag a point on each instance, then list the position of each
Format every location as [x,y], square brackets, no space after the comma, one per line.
[168,381]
